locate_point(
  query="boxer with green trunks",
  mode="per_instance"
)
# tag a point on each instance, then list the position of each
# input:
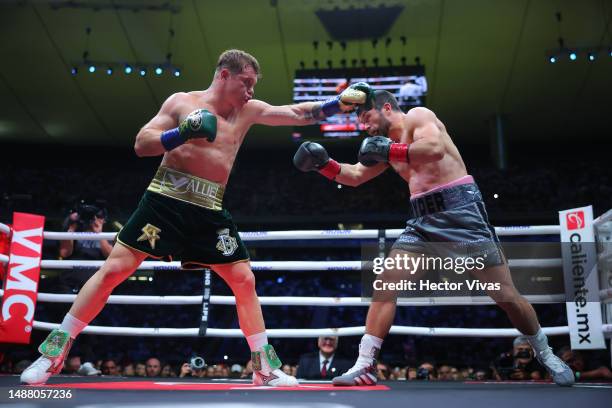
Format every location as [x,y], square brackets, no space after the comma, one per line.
[181,213]
[447,213]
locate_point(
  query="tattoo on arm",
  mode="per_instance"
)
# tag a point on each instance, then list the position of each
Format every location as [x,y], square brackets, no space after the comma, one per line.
[315,113]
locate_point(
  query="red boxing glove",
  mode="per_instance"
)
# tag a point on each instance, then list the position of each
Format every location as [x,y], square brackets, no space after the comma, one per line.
[331,169]
[398,152]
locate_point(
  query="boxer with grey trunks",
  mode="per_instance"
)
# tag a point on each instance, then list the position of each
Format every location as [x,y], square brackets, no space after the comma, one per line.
[448,215]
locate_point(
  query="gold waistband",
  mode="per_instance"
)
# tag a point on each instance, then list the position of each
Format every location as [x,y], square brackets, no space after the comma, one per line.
[185,187]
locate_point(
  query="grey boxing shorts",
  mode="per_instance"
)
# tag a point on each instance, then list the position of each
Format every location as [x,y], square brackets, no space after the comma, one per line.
[451,222]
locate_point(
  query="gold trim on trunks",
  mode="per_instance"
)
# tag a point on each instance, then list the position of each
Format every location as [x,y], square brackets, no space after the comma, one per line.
[185,187]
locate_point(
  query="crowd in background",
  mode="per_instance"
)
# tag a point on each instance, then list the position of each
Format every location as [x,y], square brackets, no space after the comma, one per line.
[535,191]
[525,192]
[517,363]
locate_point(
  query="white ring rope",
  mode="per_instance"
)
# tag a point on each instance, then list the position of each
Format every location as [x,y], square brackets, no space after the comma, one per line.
[299,301]
[311,333]
[295,300]
[306,234]
[275,265]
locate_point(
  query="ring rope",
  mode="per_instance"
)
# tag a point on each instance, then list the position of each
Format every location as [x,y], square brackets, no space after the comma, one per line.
[305,234]
[295,300]
[274,265]
[311,333]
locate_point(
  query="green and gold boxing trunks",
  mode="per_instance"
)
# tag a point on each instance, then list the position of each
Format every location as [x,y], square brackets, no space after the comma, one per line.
[180,215]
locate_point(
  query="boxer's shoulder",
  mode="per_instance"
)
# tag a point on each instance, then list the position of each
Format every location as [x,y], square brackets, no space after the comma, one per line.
[179,97]
[420,113]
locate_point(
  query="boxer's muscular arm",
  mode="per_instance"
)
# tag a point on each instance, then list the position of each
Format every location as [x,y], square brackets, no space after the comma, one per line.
[427,145]
[148,142]
[356,174]
[306,113]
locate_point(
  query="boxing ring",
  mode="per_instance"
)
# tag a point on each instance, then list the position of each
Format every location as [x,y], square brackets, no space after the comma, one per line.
[242,393]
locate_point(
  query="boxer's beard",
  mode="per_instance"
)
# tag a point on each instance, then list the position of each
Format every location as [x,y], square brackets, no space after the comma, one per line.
[383,126]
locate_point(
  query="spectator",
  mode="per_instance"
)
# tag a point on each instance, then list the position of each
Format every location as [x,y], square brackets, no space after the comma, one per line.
[584,371]
[128,370]
[21,365]
[456,375]
[248,370]
[86,218]
[109,367]
[209,372]
[72,365]
[188,371]
[153,367]
[481,374]
[444,373]
[141,370]
[236,371]
[7,366]
[167,371]
[519,364]
[382,371]
[426,371]
[323,364]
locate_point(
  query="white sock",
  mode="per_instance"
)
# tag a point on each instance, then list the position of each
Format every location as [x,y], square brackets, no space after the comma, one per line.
[368,350]
[257,341]
[72,325]
[539,341]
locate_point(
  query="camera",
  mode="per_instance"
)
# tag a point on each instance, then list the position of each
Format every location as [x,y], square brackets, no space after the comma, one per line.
[504,365]
[86,213]
[197,363]
[422,374]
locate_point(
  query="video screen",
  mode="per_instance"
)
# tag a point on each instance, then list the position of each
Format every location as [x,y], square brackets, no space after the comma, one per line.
[407,83]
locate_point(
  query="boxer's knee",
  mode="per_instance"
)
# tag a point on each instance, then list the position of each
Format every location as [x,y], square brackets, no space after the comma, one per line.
[112,273]
[243,282]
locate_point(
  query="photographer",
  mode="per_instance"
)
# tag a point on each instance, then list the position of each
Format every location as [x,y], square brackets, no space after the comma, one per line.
[585,369]
[195,368]
[426,372]
[85,218]
[519,364]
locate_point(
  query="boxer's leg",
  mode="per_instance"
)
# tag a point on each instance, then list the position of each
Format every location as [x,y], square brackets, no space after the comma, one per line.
[121,263]
[523,317]
[382,309]
[266,364]
[241,280]
[378,323]
[519,310]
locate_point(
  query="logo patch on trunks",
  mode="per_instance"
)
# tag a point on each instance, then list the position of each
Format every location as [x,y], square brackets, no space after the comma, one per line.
[149,233]
[227,244]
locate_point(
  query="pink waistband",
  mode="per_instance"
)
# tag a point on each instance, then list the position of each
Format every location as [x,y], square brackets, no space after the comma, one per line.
[460,181]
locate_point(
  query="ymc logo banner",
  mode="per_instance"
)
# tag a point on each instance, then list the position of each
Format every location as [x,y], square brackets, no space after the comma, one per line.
[21,286]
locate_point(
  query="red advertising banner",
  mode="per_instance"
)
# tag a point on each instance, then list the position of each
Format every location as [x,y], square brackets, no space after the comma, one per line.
[4,250]
[21,283]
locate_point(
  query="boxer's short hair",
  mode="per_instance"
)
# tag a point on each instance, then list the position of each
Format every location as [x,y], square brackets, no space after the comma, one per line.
[236,60]
[377,100]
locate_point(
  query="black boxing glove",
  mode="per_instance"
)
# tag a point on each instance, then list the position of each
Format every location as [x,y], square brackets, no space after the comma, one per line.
[313,157]
[381,149]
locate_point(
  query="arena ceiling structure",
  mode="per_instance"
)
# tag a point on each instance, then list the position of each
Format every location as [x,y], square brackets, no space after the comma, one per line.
[482,58]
